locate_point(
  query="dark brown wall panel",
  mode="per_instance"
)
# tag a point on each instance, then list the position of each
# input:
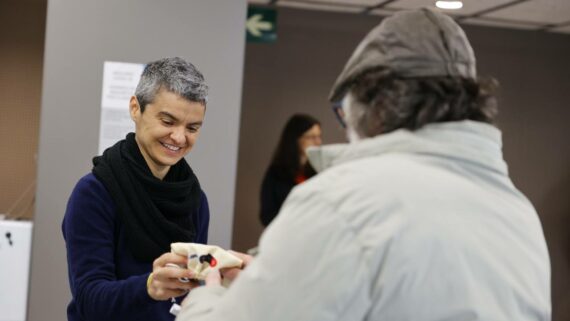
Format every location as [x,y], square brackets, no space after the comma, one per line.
[22,29]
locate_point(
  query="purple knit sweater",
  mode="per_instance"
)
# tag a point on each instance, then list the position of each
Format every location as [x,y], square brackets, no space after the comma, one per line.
[106,282]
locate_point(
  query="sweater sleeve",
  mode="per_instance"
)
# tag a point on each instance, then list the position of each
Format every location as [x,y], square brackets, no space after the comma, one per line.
[89,232]
[203,220]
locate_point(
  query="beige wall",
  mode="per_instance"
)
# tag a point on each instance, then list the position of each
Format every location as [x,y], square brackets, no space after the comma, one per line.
[22,28]
[296,73]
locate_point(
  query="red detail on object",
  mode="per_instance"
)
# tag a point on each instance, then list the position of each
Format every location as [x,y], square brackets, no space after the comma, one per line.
[300,178]
[213,262]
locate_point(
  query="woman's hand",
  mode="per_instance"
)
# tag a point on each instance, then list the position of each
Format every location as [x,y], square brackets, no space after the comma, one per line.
[164,282]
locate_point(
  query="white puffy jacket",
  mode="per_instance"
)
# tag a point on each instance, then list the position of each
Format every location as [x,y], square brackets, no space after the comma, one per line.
[415,226]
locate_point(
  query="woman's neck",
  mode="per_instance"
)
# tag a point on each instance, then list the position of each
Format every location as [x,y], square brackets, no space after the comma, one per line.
[303,161]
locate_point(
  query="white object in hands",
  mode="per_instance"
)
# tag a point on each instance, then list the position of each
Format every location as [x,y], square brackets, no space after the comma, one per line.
[204,258]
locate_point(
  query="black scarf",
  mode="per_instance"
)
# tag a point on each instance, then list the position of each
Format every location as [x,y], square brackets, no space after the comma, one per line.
[154,213]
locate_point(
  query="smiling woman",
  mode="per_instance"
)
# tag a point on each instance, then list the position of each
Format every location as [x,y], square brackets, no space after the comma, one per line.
[141,197]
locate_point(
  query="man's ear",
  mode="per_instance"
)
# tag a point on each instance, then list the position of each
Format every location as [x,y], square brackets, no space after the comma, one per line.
[134,108]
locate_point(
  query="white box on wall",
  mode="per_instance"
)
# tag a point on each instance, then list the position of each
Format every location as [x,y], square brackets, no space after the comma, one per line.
[15,250]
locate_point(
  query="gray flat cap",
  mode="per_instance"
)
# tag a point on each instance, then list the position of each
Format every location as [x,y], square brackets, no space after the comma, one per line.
[416,43]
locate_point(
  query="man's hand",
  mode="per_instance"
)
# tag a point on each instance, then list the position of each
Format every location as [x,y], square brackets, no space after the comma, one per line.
[215,276]
[164,281]
[232,273]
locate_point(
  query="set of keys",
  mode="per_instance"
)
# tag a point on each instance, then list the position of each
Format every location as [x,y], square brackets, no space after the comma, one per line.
[175,308]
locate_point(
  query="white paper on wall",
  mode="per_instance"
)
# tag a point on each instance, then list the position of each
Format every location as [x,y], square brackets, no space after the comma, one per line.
[120,80]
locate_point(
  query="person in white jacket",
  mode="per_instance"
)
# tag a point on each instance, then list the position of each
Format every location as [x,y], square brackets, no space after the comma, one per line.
[415,219]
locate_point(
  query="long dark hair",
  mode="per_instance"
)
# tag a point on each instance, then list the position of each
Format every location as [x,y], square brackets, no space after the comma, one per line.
[286,157]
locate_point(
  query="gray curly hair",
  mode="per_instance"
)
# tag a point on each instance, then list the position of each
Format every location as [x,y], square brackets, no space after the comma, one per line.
[384,102]
[175,75]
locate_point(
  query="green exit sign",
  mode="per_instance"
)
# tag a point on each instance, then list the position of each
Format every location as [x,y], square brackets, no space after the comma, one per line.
[261,25]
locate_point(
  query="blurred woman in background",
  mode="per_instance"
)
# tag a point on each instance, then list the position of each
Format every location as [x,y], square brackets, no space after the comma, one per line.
[289,165]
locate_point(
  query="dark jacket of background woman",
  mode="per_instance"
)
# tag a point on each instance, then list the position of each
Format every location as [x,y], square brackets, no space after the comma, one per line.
[274,191]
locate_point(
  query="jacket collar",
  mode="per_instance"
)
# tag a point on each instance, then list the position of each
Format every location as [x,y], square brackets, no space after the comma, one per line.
[466,140]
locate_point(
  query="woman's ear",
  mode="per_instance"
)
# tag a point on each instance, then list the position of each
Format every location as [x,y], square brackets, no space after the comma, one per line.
[134,108]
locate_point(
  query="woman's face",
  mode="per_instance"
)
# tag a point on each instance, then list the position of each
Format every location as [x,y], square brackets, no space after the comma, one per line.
[167,130]
[311,137]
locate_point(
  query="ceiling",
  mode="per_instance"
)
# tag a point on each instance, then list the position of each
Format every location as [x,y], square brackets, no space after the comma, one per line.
[542,15]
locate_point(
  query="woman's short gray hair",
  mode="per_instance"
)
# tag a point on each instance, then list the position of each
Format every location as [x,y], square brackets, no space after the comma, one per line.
[175,75]
[383,102]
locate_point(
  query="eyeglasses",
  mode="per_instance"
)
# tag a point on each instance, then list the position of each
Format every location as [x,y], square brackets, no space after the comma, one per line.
[338,112]
[311,137]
